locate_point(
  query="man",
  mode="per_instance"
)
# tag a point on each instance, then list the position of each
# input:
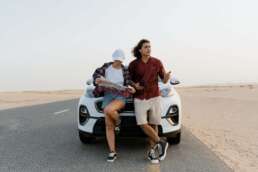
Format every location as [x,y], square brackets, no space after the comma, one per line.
[144,71]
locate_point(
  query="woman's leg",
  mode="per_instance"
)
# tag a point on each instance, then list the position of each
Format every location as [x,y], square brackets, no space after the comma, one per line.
[112,108]
[110,135]
[111,116]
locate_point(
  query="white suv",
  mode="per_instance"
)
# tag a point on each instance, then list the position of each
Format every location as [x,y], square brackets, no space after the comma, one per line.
[91,123]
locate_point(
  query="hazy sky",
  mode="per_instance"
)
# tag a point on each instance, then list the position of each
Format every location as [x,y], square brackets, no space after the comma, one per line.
[58,44]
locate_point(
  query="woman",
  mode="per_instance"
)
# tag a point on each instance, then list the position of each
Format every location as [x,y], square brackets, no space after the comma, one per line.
[113,101]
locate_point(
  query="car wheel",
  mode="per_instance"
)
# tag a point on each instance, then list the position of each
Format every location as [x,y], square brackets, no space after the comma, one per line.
[174,140]
[85,138]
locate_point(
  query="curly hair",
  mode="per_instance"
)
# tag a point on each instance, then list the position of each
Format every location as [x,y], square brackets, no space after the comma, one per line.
[136,53]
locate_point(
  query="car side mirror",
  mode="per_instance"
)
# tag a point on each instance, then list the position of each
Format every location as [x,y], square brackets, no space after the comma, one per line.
[89,82]
[174,81]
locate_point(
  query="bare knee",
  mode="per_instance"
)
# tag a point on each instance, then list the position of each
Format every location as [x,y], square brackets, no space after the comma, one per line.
[143,126]
[155,127]
[109,111]
[106,110]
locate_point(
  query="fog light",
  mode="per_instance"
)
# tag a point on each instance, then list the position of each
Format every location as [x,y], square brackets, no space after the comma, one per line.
[173,114]
[83,114]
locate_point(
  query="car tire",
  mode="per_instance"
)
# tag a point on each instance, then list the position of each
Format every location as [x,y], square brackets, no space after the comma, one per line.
[174,140]
[85,138]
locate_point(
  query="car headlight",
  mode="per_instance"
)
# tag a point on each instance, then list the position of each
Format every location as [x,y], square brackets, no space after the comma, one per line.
[89,92]
[166,92]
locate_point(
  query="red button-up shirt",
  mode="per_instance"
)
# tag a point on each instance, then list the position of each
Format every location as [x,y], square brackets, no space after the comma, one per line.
[147,75]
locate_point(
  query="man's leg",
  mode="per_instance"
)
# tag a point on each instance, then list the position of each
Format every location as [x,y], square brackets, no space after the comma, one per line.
[153,136]
[142,114]
[151,142]
[141,108]
[150,132]
[155,119]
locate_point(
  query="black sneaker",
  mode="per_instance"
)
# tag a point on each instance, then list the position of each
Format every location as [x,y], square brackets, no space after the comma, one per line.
[117,127]
[154,159]
[162,147]
[111,157]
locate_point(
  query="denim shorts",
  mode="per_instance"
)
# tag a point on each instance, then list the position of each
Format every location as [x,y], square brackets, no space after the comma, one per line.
[109,97]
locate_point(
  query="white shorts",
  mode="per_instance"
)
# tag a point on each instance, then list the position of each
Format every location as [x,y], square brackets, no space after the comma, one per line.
[153,105]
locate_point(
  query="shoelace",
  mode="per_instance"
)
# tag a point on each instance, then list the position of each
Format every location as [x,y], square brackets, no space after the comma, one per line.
[159,149]
[152,153]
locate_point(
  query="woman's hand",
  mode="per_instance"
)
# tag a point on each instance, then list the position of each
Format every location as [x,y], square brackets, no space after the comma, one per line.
[131,89]
[99,80]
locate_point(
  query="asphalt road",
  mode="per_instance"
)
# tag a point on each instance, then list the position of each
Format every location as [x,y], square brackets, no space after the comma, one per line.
[44,138]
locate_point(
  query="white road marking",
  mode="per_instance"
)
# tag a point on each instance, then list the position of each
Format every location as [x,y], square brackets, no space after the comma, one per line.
[61,111]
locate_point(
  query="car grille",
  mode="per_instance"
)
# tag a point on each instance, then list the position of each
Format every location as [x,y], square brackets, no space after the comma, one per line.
[128,127]
[129,106]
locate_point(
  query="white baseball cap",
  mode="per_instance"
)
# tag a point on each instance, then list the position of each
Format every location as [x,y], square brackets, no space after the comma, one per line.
[118,54]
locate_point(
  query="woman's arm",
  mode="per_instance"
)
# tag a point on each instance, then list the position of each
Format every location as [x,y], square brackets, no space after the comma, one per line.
[99,72]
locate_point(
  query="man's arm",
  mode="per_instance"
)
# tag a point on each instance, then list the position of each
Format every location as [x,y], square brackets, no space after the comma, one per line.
[135,85]
[162,73]
[167,77]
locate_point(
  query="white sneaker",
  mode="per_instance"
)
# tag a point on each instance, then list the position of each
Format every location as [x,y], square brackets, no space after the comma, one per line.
[154,159]
[111,157]
[162,147]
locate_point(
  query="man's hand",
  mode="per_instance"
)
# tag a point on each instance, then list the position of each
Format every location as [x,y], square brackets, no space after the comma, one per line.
[166,77]
[131,89]
[138,87]
[99,80]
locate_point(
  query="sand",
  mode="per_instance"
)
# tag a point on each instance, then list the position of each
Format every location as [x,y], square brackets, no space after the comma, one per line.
[28,98]
[225,118]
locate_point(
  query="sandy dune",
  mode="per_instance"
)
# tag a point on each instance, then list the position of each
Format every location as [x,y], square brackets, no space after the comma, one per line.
[225,118]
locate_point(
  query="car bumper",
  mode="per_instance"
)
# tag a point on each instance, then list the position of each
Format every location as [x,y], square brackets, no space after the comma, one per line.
[128,128]
[95,125]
